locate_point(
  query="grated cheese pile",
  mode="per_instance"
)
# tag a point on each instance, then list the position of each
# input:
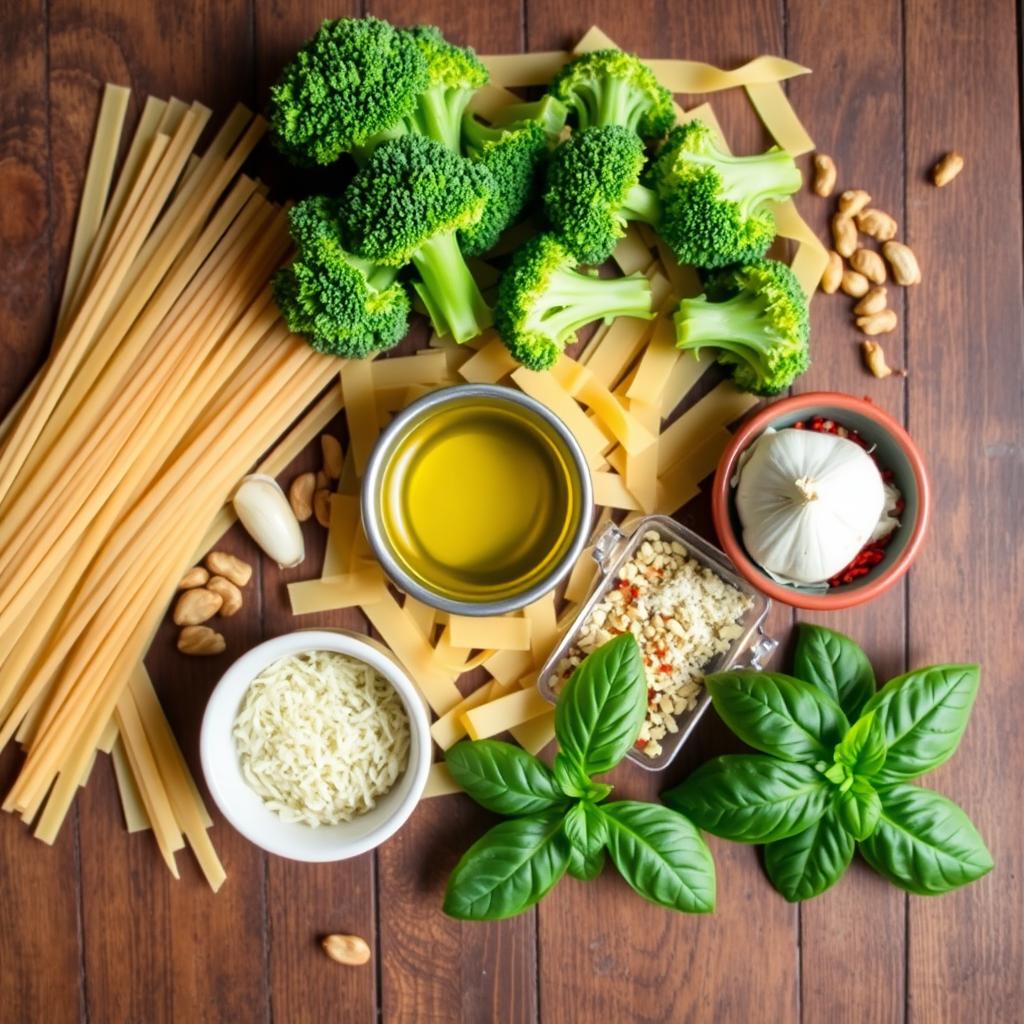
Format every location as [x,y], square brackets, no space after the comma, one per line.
[321,736]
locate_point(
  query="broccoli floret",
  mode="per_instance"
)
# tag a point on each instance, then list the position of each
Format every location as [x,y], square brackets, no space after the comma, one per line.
[341,304]
[612,87]
[543,300]
[593,188]
[406,205]
[717,208]
[357,78]
[755,315]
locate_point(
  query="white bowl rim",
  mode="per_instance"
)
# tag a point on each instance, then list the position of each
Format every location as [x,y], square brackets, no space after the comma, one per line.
[222,709]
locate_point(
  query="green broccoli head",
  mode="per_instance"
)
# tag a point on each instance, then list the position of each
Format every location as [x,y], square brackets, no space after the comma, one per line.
[593,188]
[341,304]
[755,315]
[405,205]
[717,206]
[543,300]
[355,79]
[612,87]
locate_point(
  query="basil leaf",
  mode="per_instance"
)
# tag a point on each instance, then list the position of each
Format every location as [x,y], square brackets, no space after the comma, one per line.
[923,715]
[508,869]
[602,708]
[586,828]
[836,665]
[586,869]
[859,809]
[808,863]
[778,714]
[574,782]
[925,843]
[503,778]
[751,798]
[661,855]
[863,749]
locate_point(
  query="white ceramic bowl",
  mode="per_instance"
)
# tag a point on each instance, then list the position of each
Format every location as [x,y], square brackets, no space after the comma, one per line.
[246,810]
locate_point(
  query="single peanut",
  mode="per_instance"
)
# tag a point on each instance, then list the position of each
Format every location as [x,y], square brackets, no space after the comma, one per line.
[874,359]
[322,507]
[230,595]
[346,949]
[947,168]
[833,273]
[855,285]
[200,640]
[220,563]
[875,301]
[824,174]
[878,323]
[844,234]
[877,224]
[195,577]
[905,269]
[322,481]
[196,606]
[331,448]
[300,495]
[852,201]
[870,264]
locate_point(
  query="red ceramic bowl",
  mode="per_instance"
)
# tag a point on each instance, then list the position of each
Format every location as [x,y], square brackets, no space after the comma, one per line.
[896,451]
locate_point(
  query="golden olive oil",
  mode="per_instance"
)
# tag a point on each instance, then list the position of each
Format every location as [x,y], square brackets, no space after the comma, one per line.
[480,500]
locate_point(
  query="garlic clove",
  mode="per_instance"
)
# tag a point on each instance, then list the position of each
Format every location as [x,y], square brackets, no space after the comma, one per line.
[263,509]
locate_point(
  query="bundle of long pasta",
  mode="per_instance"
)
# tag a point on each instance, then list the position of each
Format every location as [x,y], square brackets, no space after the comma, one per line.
[170,375]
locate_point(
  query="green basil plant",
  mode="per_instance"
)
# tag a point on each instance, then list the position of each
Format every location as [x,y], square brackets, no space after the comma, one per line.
[822,785]
[557,819]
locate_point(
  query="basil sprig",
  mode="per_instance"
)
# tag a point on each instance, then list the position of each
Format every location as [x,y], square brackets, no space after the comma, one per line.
[557,820]
[821,786]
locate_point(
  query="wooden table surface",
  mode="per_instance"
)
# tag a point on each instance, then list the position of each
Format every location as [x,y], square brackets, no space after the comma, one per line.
[95,929]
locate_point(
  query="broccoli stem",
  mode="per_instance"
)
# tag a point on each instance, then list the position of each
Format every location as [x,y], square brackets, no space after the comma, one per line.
[752,181]
[439,114]
[547,111]
[448,290]
[617,103]
[736,325]
[642,204]
[574,300]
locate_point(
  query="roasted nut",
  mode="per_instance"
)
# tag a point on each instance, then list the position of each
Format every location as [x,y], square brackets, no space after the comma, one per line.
[346,949]
[195,577]
[947,168]
[200,640]
[854,284]
[878,323]
[322,481]
[229,593]
[322,507]
[331,448]
[876,224]
[824,174]
[852,201]
[875,301]
[870,264]
[300,495]
[905,269]
[844,234]
[874,359]
[220,563]
[196,606]
[833,273]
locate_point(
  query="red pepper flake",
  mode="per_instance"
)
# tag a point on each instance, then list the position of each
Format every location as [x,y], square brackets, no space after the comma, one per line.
[665,667]
[641,743]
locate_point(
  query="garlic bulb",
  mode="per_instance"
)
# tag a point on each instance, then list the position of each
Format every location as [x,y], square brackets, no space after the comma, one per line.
[263,510]
[808,502]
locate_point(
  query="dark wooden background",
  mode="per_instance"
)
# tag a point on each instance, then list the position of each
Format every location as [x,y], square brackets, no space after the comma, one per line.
[95,928]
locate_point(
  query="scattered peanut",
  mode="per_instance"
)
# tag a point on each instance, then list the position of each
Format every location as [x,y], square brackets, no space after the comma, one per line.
[947,168]
[905,269]
[300,495]
[852,201]
[824,174]
[220,563]
[346,949]
[230,595]
[196,606]
[878,323]
[854,284]
[322,507]
[195,577]
[200,640]
[322,481]
[874,359]
[331,448]
[833,273]
[876,224]
[874,302]
[844,234]
[870,264]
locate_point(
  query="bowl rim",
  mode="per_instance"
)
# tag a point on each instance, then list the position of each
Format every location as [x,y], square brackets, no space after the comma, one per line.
[222,707]
[754,427]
